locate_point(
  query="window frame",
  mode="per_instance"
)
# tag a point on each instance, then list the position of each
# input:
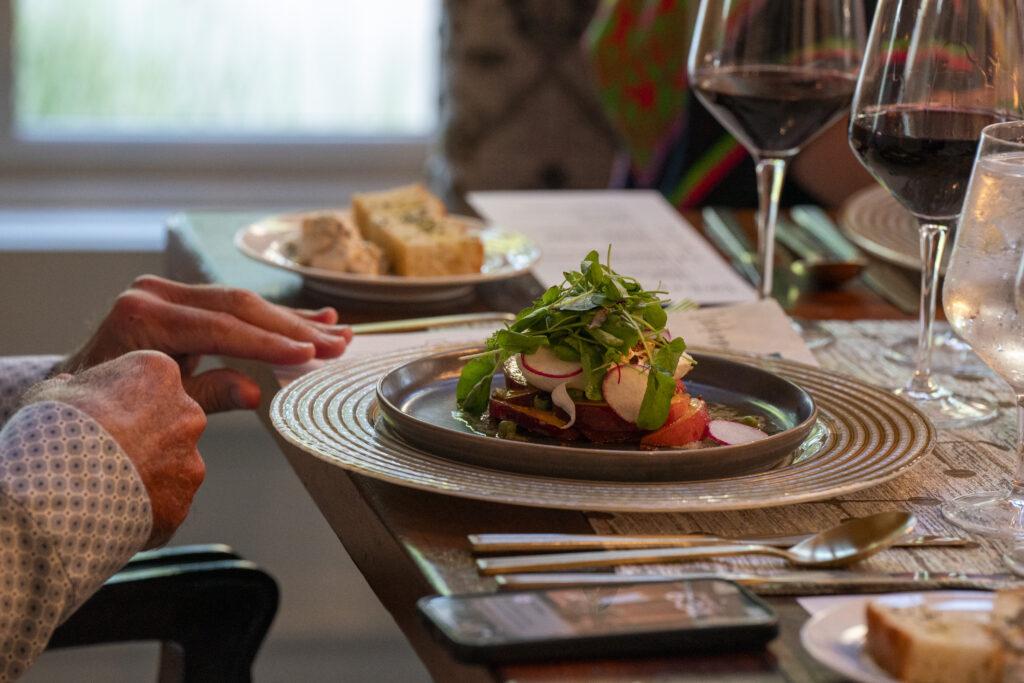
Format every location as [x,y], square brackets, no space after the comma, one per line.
[212,154]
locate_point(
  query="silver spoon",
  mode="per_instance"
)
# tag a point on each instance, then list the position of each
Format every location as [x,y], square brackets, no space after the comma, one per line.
[839,546]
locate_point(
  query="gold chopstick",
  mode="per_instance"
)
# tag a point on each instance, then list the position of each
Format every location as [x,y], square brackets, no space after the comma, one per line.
[431,323]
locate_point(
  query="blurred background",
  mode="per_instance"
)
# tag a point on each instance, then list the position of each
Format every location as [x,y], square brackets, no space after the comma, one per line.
[115,114]
[122,112]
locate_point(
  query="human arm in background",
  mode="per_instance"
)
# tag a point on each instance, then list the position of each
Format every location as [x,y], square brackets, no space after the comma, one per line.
[93,468]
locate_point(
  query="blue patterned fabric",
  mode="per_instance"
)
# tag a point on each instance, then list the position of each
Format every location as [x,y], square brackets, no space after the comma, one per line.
[73,510]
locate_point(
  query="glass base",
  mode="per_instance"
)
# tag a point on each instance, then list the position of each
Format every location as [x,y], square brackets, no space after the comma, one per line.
[950,356]
[992,514]
[948,411]
[814,335]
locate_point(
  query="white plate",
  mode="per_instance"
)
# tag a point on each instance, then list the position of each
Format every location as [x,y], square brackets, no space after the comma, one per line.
[506,255]
[835,636]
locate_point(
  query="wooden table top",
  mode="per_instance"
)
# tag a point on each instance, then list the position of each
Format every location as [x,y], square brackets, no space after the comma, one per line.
[409,543]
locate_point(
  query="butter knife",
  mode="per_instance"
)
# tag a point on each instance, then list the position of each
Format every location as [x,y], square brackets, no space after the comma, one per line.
[893,285]
[792,583]
[498,543]
[728,236]
[820,226]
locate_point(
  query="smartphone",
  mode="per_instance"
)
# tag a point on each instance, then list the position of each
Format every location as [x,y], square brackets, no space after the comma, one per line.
[674,617]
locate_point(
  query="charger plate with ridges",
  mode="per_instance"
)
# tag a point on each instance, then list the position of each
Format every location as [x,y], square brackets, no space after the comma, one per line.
[881,226]
[868,436]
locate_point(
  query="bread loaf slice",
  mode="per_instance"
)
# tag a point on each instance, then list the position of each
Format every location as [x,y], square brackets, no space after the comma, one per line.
[417,237]
[408,199]
[919,645]
[425,247]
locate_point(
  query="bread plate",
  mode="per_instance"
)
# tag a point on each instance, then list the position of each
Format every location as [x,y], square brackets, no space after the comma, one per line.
[270,241]
[836,635]
[417,401]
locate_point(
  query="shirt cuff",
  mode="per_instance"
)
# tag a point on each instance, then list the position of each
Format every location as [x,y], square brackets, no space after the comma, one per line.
[17,374]
[81,489]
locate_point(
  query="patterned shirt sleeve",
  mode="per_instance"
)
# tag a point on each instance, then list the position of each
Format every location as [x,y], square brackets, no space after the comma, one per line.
[73,510]
[18,373]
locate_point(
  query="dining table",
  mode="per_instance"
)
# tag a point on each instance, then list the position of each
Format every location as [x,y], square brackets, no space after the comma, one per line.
[411,543]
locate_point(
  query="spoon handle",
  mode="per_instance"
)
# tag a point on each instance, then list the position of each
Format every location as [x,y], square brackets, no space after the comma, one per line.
[609,558]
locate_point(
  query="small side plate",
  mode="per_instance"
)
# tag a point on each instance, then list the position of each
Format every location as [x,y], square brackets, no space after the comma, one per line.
[269,241]
[417,402]
[836,635]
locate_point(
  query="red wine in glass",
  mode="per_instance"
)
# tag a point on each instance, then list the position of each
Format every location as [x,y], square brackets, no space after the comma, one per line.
[775,109]
[923,155]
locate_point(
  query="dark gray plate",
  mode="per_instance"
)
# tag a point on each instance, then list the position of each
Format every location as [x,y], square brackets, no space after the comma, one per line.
[417,402]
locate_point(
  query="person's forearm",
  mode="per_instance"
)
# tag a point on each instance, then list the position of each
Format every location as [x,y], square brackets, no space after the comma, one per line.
[73,510]
[827,168]
[17,374]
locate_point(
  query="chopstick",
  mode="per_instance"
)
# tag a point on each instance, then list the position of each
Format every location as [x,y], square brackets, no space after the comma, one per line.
[431,323]
[499,543]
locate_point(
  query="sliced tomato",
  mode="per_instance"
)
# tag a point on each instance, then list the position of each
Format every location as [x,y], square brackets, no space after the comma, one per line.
[687,422]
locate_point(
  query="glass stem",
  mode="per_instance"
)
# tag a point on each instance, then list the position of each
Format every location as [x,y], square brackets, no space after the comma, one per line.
[770,175]
[1018,477]
[933,243]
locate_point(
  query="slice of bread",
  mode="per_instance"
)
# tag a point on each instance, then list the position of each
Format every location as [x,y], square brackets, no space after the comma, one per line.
[418,239]
[408,198]
[919,645]
[427,247]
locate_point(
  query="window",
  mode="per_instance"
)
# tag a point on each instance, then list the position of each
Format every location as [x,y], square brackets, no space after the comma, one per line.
[155,83]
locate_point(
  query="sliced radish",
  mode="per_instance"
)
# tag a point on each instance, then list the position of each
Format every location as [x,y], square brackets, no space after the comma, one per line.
[560,397]
[729,433]
[624,388]
[546,371]
[684,366]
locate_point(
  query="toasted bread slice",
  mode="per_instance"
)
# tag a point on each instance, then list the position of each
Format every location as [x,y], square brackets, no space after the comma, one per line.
[919,645]
[418,245]
[418,238]
[412,198]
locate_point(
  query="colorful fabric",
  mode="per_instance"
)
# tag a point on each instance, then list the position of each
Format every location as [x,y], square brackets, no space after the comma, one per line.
[638,50]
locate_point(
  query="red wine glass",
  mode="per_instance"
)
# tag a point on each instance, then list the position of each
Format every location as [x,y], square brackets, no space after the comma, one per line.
[775,73]
[935,74]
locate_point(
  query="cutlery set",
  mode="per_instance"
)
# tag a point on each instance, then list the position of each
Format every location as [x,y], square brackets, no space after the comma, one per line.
[822,256]
[549,557]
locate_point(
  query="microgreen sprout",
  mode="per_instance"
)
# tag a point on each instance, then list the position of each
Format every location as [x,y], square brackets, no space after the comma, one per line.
[597,318]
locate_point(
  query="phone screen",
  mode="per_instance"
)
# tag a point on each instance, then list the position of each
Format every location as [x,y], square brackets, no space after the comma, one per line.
[597,611]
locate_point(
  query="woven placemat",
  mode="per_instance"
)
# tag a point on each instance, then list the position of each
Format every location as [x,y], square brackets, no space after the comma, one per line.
[963,461]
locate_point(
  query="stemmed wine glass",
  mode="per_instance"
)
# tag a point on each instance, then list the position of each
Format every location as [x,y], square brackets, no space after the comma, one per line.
[983,298]
[775,73]
[935,74]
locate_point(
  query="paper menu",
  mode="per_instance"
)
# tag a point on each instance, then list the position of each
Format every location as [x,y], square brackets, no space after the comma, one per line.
[761,328]
[650,240]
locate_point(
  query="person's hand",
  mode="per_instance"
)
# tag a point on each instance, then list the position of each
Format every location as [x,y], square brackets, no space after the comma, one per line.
[188,321]
[140,401]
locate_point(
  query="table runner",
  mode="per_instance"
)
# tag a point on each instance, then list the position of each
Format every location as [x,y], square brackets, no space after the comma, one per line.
[963,461]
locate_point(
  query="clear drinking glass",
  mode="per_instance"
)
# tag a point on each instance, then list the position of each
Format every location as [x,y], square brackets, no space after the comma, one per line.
[775,73]
[936,72]
[983,297]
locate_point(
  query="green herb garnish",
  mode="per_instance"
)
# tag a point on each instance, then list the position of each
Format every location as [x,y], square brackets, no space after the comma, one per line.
[595,317]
